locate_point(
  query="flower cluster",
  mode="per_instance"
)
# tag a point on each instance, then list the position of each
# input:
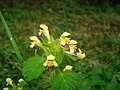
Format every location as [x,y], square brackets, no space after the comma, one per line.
[10,82]
[50,47]
[67,43]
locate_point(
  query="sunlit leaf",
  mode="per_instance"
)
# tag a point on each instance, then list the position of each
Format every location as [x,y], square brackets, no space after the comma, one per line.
[66,80]
[33,68]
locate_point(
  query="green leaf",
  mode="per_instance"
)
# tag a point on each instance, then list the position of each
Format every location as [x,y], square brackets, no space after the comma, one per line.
[66,80]
[33,68]
[59,56]
[108,72]
[95,77]
[73,57]
[117,65]
[22,83]
[44,40]
[113,86]
[108,40]
[84,83]
[96,70]
[51,38]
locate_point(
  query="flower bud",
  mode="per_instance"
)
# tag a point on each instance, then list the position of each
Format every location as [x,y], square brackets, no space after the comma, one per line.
[9,81]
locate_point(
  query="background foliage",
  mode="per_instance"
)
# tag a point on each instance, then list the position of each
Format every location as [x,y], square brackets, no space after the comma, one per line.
[93,23]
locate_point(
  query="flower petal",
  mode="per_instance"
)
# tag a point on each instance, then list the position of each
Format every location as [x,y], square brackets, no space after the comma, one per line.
[50,57]
[67,67]
[46,33]
[55,64]
[36,41]
[67,46]
[73,42]
[34,38]
[72,48]
[65,34]
[43,27]
[81,55]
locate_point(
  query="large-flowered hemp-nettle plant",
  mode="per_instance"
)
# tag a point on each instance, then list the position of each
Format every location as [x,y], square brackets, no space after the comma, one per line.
[50,64]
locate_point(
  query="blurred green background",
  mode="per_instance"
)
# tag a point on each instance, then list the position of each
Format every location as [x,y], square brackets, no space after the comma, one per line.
[95,24]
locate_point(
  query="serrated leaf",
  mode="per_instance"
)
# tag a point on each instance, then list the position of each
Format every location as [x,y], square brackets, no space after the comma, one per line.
[67,80]
[33,68]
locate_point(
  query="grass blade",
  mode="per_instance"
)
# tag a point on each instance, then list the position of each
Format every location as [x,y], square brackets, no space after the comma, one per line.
[11,37]
[65,19]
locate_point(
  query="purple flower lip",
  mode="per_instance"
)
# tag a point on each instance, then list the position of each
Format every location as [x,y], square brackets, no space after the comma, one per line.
[34,47]
[66,45]
[75,52]
[47,67]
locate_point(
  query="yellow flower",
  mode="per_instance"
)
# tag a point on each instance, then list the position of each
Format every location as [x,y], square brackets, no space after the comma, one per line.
[32,44]
[68,67]
[40,32]
[64,40]
[50,61]
[80,54]
[73,42]
[9,81]
[73,46]
[36,41]
[65,34]
[20,80]
[44,30]
[43,27]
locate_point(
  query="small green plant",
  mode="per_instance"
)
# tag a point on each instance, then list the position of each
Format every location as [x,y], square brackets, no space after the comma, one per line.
[50,63]
[12,86]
